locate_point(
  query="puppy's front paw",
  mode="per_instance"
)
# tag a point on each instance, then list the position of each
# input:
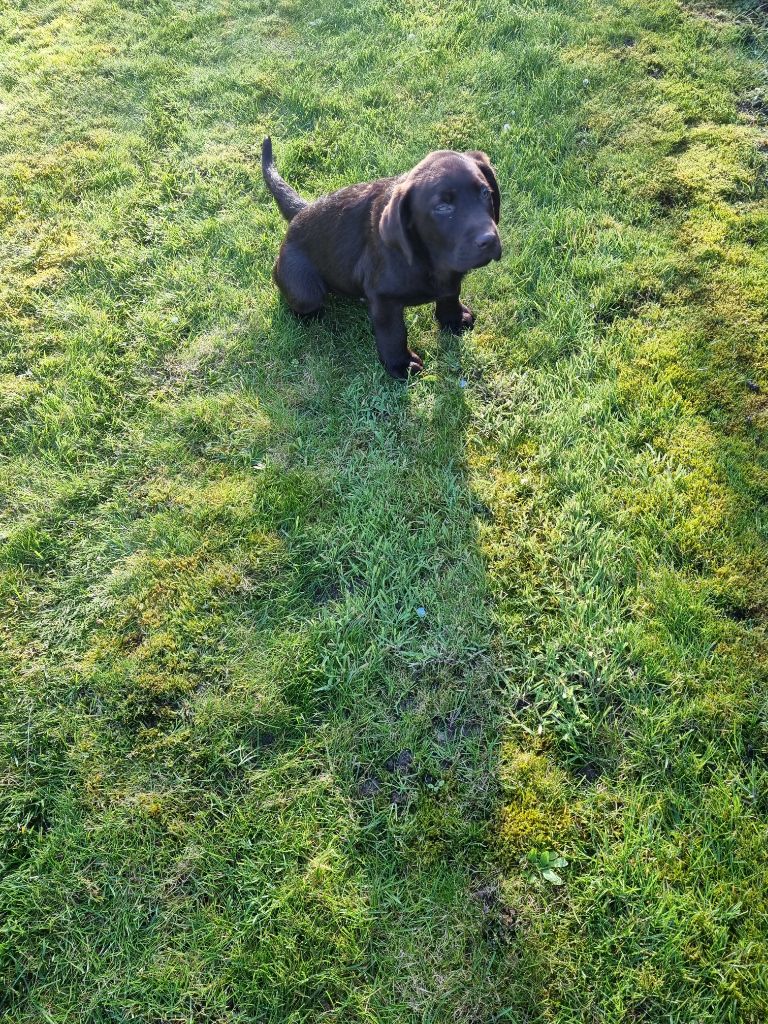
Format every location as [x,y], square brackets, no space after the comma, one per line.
[465,321]
[408,367]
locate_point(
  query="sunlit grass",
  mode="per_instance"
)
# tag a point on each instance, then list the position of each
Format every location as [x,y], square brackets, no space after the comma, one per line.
[328,699]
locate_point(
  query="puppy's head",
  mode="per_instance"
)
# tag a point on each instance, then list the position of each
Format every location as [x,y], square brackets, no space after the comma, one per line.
[449,206]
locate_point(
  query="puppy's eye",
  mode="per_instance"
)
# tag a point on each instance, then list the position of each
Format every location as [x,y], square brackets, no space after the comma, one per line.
[485,192]
[444,208]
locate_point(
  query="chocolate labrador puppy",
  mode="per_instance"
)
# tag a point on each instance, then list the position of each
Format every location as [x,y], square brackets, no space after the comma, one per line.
[396,242]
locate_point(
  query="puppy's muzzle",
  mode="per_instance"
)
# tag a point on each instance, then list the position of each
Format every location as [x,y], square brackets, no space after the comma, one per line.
[488,247]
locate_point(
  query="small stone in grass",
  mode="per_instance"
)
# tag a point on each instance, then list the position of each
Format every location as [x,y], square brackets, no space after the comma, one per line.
[421,612]
[462,382]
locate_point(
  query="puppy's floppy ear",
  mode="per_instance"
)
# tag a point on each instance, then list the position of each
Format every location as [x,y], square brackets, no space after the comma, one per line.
[482,161]
[393,225]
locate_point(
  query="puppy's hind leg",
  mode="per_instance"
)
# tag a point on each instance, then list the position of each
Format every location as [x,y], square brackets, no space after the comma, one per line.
[298,279]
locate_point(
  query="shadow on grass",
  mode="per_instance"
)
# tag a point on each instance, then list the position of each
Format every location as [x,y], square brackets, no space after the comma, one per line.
[274,672]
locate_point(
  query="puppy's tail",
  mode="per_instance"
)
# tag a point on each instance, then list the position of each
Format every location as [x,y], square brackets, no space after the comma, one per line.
[289,202]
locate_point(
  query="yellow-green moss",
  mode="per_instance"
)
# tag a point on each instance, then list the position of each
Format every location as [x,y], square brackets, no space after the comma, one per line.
[529,776]
[522,829]
[537,814]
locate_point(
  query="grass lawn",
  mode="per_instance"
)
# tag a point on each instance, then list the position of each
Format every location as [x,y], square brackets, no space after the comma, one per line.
[328,699]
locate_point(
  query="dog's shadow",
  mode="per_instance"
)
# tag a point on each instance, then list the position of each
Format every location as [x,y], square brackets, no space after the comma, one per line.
[390,683]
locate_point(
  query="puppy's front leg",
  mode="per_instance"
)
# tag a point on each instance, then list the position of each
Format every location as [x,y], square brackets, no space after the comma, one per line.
[453,315]
[391,338]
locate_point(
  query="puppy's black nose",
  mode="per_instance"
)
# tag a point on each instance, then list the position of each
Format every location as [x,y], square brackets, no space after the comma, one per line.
[486,240]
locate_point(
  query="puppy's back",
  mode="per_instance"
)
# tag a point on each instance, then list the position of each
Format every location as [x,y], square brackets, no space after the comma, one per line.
[336,231]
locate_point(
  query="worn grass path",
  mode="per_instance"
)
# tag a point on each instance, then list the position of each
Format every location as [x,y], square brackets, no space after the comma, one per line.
[243,778]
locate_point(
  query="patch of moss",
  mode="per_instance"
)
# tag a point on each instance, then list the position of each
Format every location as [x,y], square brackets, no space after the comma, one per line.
[522,829]
[536,814]
[530,776]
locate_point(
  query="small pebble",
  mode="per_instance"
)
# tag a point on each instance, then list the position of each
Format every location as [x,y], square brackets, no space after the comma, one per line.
[462,382]
[586,81]
[506,127]
[421,612]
